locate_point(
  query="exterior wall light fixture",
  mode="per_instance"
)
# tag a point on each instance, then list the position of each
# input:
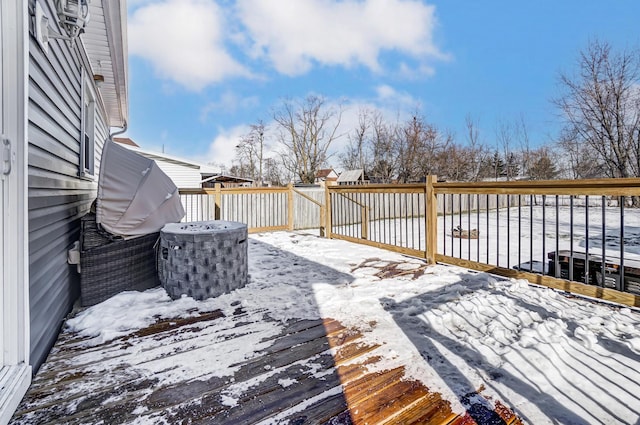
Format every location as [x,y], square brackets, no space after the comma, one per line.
[73,16]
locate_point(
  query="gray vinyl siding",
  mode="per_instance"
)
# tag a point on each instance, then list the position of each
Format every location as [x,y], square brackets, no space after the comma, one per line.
[57,196]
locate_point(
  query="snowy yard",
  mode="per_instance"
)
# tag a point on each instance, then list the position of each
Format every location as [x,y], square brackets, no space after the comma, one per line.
[509,237]
[549,357]
[527,232]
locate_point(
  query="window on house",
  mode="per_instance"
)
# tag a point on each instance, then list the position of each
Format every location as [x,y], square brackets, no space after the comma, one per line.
[87,141]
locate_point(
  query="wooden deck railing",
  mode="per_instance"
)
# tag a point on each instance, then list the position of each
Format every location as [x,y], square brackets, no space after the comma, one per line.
[576,236]
[386,216]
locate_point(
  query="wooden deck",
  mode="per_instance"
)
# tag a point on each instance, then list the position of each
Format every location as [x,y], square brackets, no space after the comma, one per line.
[313,372]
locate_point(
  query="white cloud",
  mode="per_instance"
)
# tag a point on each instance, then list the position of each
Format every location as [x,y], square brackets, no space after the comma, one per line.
[184,41]
[409,72]
[201,42]
[222,148]
[384,91]
[390,98]
[293,34]
[229,103]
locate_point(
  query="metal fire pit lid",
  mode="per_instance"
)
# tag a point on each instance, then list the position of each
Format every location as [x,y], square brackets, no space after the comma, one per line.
[202,227]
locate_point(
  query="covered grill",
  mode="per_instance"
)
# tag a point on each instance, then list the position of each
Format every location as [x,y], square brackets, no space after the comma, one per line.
[135,197]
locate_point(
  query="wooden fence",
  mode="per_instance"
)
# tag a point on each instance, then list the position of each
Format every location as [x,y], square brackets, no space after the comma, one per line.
[308,202]
[262,209]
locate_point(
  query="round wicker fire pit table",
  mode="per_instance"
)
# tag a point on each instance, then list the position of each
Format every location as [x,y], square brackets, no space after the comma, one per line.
[203,259]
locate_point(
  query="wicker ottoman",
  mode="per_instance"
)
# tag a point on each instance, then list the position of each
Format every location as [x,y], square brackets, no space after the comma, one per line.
[109,266]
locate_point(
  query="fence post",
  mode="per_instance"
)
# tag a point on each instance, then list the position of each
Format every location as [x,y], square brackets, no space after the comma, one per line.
[327,212]
[431,213]
[364,211]
[322,221]
[210,206]
[217,214]
[290,216]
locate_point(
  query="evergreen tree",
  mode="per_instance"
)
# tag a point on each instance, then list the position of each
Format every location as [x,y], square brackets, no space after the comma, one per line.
[494,168]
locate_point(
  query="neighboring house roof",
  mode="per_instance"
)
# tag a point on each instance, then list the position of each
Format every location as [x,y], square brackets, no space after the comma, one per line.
[326,174]
[157,155]
[186,174]
[108,22]
[223,178]
[351,176]
[126,141]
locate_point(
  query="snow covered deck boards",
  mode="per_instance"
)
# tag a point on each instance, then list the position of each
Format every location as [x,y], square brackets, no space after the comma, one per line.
[408,343]
[314,372]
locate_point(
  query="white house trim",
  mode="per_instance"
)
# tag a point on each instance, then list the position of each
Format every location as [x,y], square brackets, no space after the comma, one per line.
[15,372]
[109,22]
[15,382]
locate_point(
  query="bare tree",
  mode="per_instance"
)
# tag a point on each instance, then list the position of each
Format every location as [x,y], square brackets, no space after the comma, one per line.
[244,164]
[601,106]
[306,130]
[522,136]
[434,145]
[355,154]
[383,158]
[410,148]
[477,151]
[580,160]
[420,148]
[457,163]
[505,134]
[257,136]
[249,153]
[275,173]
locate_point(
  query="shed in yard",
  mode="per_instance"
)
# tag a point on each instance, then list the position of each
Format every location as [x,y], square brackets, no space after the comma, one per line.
[351,177]
[55,120]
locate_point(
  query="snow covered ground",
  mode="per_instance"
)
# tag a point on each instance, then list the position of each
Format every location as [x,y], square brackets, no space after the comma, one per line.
[552,358]
[531,233]
[509,237]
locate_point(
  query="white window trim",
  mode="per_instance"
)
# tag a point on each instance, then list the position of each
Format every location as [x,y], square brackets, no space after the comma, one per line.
[15,372]
[87,164]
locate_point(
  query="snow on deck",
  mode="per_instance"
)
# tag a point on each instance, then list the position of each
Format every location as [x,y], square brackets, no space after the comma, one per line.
[331,332]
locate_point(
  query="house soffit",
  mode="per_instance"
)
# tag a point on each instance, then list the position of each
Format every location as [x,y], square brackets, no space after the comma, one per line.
[105,41]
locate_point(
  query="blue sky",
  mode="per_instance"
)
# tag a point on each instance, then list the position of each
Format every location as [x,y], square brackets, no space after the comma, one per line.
[202,71]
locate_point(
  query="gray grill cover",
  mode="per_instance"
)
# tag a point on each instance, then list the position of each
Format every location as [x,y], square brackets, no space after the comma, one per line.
[135,197]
